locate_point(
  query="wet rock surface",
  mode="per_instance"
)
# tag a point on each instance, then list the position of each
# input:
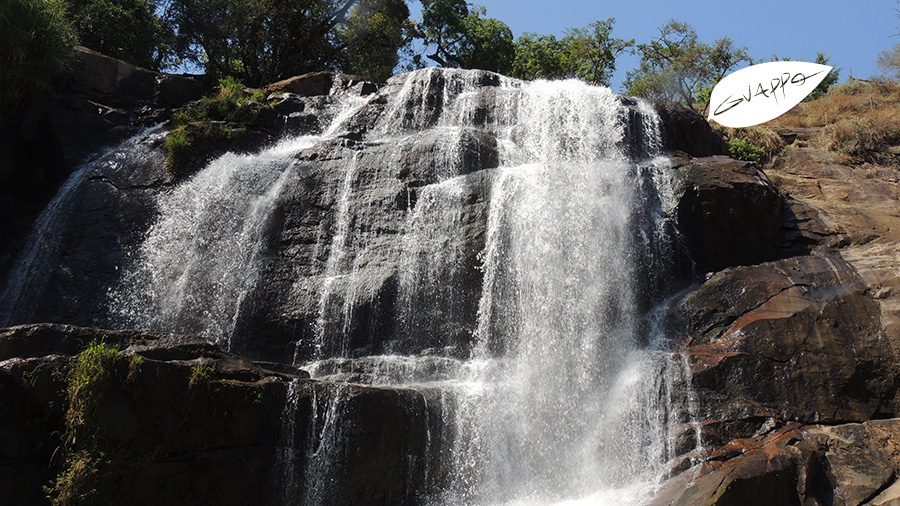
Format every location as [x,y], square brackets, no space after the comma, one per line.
[172,436]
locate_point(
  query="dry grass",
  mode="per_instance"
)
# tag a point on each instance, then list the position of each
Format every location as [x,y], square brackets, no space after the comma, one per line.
[861,119]
[850,100]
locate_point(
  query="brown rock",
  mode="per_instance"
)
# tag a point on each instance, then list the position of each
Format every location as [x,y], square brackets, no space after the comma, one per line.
[796,339]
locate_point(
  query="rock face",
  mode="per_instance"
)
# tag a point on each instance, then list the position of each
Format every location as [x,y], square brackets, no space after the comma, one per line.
[797,339]
[172,436]
[101,102]
[729,213]
[685,130]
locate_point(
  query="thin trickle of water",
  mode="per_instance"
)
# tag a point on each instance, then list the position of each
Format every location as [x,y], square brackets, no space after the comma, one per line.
[288,457]
[337,264]
[28,276]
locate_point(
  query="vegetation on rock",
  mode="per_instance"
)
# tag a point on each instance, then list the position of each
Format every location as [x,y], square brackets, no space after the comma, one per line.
[201,373]
[860,119]
[89,379]
[212,121]
[742,149]
[36,39]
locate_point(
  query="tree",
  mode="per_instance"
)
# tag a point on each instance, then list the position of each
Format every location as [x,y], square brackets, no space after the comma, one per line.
[124,29]
[455,36]
[586,53]
[539,57]
[676,65]
[829,80]
[374,33]
[36,41]
[590,53]
[889,62]
[488,44]
[260,41]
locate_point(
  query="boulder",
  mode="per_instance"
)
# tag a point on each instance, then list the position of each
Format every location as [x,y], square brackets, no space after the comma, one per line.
[685,130]
[306,85]
[796,339]
[848,464]
[728,212]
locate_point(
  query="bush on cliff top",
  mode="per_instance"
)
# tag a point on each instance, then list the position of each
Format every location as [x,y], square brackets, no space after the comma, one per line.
[36,40]
[742,149]
[212,121]
[757,144]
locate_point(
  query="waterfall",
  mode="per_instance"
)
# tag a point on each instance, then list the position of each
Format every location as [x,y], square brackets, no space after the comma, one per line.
[569,392]
[526,295]
[201,258]
[29,274]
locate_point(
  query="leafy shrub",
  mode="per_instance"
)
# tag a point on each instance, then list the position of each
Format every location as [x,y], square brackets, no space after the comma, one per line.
[85,463]
[743,149]
[212,121]
[36,40]
[759,137]
[201,373]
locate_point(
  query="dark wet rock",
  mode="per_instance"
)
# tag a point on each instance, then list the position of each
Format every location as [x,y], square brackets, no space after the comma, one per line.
[685,130]
[387,178]
[170,436]
[797,339]
[729,213]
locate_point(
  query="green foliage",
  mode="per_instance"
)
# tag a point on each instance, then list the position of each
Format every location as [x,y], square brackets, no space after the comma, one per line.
[83,474]
[539,57]
[89,379]
[592,51]
[373,35]
[260,41]
[455,36]
[124,29]
[489,44]
[201,373]
[826,83]
[36,40]
[676,65]
[743,149]
[77,483]
[586,53]
[211,121]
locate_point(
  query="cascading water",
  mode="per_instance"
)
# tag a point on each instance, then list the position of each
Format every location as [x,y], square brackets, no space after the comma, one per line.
[199,261]
[554,383]
[28,276]
[568,394]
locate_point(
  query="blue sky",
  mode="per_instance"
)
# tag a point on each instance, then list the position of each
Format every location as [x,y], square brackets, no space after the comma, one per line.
[852,32]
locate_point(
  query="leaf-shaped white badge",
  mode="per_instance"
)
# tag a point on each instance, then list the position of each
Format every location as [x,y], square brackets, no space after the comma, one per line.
[761,93]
